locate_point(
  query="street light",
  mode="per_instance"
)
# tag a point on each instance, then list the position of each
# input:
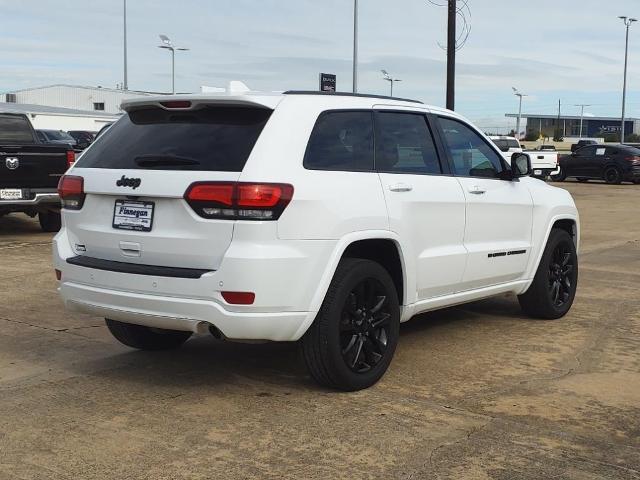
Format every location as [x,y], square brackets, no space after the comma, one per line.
[627,22]
[581,105]
[389,79]
[355,46]
[169,46]
[520,95]
[125,85]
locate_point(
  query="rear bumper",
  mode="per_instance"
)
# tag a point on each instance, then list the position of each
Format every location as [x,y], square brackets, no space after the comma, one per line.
[38,199]
[182,313]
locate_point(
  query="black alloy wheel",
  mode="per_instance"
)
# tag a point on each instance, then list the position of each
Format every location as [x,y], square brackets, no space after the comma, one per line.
[364,326]
[561,275]
[612,176]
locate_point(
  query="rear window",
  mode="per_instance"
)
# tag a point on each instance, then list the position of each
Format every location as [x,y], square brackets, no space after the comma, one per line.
[15,130]
[504,144]
[208,139]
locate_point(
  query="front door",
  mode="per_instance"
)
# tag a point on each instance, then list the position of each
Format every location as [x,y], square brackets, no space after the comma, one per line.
[425,203]
[498,212]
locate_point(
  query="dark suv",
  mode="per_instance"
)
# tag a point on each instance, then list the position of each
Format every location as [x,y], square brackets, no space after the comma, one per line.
[611,163]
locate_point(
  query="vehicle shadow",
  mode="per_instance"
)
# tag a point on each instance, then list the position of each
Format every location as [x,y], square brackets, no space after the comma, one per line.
[15,224]
[205,363]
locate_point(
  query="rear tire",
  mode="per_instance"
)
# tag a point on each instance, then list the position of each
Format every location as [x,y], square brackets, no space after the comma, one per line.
[559,177]
[50,221]
[146,338]
[553,289]
[613,176]
[351,342]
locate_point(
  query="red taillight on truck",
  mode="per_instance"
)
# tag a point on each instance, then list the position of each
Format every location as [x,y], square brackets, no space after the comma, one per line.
[239,200]
[71,191]
[71,158]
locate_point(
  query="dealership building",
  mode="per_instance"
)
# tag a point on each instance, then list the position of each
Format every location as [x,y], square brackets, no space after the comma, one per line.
[570,125]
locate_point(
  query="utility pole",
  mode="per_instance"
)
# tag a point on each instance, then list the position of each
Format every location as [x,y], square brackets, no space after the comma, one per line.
[581,105]
[557,129]
[125,84]
[355,46]
[451,54]
[627,22]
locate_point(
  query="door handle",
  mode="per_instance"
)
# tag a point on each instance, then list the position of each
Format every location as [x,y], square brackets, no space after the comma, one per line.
[476,190]
[400,187]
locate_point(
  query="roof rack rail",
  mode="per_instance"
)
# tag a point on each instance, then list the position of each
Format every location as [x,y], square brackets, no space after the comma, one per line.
[348,94]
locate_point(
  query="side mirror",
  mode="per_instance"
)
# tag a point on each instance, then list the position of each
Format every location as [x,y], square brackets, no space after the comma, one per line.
[520,165]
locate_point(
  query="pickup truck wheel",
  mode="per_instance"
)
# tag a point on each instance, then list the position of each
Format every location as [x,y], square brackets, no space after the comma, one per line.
[146,338]
[50,221]
[613,176]
[351,343]
[560,176]
[553,289]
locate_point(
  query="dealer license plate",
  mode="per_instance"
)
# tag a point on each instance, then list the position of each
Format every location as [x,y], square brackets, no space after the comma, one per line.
[133,215]
[10,194]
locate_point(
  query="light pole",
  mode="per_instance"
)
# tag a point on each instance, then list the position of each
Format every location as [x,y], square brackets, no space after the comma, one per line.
[581,105]
[355,46]
[520,95]
[390,79]
[125,85]
[627,22]
[169,46]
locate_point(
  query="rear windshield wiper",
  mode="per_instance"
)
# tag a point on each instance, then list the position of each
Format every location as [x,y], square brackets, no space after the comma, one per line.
[155,160]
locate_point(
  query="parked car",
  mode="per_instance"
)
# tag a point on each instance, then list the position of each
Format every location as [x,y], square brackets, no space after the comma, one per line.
[103,129]
[56,137]
[611,163]
[83,138]
[543,164]
[29,171]
[283,217]
[582,143]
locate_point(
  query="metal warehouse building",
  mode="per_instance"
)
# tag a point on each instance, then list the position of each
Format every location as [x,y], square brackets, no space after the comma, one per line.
[86,99]
[55,118]
[570,125]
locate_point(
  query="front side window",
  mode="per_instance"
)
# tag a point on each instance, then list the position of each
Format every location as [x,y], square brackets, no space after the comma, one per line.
[404,144]
[470,153]
[586,151]
[341,141]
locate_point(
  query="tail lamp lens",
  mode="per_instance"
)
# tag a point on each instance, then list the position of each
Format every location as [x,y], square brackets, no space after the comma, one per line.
[238,200]
[71,158]
[71,191]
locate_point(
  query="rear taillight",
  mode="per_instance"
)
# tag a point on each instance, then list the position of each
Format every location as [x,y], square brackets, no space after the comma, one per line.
[71,191]
[71,158]
[634,160]
[238,200]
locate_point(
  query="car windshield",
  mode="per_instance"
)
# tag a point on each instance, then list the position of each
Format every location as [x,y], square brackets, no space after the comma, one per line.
[58,135]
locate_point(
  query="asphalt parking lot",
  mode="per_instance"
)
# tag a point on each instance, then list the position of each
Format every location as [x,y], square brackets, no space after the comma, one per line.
[477,391]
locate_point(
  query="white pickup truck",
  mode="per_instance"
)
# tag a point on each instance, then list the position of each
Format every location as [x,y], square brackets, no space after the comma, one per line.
[542,163]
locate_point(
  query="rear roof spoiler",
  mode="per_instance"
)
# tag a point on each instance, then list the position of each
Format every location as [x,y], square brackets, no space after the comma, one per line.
[194,101]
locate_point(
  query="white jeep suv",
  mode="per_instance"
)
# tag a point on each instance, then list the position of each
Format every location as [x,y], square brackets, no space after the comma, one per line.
[324,218]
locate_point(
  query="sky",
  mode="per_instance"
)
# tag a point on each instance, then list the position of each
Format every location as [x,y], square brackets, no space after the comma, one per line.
[572,50]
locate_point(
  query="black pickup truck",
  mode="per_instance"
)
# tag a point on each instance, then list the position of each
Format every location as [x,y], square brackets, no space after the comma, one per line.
[29,171]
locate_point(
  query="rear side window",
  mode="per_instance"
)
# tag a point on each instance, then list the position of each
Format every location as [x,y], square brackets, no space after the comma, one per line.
[341,141]
[15,130]
[208,139]
[404,144]
[471,154]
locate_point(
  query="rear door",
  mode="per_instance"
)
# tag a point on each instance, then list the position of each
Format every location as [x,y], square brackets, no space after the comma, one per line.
[426,205]
[137,173]
[498,212]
